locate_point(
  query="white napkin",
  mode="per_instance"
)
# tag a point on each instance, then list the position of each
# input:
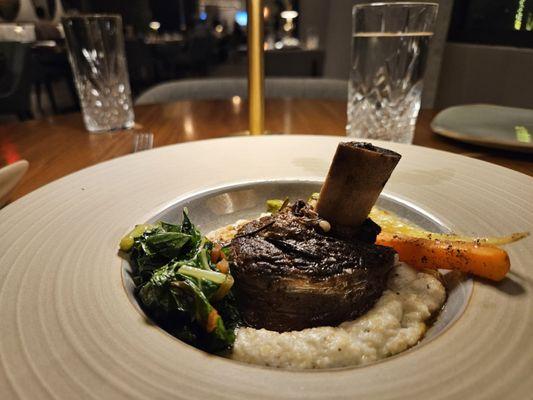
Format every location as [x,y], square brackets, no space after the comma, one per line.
[10,176]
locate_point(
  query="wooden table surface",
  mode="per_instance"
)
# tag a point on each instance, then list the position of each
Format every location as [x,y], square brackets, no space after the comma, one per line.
[59,145]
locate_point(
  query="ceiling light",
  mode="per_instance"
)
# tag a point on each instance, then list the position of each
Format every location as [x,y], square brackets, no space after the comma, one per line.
[289,14]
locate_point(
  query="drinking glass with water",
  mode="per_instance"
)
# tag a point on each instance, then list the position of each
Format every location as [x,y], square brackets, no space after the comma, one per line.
[390,44]
[96,53]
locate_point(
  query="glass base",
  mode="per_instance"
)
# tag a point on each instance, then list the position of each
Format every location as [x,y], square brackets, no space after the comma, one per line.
[92,128]
[404,135]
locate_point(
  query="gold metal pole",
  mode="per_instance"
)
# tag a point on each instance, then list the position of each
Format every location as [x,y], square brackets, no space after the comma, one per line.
[256,72]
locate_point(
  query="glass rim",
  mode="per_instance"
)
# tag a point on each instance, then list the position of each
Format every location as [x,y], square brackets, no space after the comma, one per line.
[394,4]
[92,16]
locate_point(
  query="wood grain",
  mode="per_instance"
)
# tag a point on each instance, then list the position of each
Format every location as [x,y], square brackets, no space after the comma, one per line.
[60,145]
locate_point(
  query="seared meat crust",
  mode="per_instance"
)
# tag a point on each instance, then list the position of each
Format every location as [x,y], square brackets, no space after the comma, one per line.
[290,275]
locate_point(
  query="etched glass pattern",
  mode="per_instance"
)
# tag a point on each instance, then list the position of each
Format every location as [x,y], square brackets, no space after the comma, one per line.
[96,53]
[390,44]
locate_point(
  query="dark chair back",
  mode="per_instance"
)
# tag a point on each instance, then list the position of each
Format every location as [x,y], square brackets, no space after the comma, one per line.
[141,67]
[200,52]
[298,63]
[15,79]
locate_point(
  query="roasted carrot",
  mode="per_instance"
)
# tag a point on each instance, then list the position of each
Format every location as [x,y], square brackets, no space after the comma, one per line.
[223,266]
[216,253]
[482,260]
[392,223]
[212,320]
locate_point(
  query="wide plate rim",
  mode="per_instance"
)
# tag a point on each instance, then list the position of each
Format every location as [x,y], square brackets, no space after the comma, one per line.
[77,363]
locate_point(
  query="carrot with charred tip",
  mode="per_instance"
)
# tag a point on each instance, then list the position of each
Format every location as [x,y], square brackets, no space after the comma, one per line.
[485,261]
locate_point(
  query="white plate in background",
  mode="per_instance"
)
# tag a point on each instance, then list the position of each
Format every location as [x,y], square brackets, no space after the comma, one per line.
[487,125]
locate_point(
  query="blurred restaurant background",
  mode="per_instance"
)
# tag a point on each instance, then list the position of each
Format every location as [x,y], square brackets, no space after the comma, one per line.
[482,51]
